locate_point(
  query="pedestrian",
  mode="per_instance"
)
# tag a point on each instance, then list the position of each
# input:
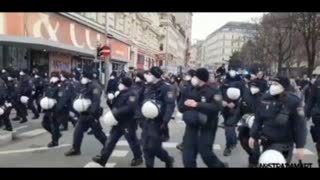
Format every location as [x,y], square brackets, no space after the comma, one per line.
[121,117]
[5,107]
[139,86]
[157,110]
[200,106]
[112,88]
[39,85]
[279,121]
[88,106]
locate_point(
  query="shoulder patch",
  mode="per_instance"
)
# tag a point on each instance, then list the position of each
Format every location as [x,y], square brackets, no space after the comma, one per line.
[170,94]
[300,111]
[96,91]
[132,98]
[217,97]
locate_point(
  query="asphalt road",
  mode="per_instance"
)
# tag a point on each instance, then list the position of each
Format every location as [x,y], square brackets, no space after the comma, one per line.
[29,150]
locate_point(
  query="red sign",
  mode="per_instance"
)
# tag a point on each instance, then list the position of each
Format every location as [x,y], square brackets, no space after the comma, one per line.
[104,51]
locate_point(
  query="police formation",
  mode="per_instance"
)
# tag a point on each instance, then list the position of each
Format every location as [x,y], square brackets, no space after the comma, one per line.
[266,114]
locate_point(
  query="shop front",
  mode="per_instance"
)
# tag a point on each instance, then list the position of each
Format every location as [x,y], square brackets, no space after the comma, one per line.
[47,41]
[120,56]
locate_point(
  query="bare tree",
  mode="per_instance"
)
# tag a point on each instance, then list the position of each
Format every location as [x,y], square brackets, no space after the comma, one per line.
[308,25]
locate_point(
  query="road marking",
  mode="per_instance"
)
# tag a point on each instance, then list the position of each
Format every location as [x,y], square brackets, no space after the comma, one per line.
[169,144]
[92,165]
[32,149]
[306,151]
[96,165]
[119,153]
[18,128]
[110,165]
[32,133]
[166,144]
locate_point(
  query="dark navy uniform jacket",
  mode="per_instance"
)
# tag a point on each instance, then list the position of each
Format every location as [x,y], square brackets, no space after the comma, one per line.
[92,91]
[313,100]
[163,94]
[52,92]
[280,121]
[65,92]
[3,92]
[124,106]
[209,105]
[26,86]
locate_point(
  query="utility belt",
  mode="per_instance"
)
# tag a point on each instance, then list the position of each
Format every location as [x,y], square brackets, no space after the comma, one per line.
[267,142]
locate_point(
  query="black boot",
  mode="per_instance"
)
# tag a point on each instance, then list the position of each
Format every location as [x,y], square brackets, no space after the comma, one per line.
[16,119]
[170,163]
[227,152]
[180,147]
[98,159]
[72,152]
[53,144]
[8,128]
[136,162]
[35,116]
[24,119]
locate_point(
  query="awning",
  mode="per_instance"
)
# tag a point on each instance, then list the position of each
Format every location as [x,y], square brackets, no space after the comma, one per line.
[41,44]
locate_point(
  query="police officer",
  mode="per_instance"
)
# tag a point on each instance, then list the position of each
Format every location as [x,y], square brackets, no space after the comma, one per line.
[200,105]
[65,94]
[139,86]
[186,84]
[52,104]
[279,121]
[26,89]
[313,110]
[229,112]
[123,123]
[262,81]
[157,109]
[4,75]
[5,107]
[247,107]
[39,85]
[88,105]
[112,87]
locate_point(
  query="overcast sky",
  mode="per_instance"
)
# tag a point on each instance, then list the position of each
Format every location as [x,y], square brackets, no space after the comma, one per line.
[205,23]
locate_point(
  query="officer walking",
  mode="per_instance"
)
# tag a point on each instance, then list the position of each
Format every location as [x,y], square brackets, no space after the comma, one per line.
[157,109]
[65,94]
[39,85]
[5,107]
[139,86]
[183,89]
[26,89]
[88,105]
[52,104]
[112,87]
[247,107]
[313,111]
[200,105]
[279,121]
[123,123]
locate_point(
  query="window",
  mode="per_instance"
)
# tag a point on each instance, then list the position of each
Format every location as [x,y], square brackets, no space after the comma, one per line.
[140,59]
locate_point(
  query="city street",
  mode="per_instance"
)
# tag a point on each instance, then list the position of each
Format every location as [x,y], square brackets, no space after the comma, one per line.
[29,150]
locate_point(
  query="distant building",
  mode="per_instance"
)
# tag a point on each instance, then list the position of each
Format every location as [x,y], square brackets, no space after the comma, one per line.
[219,45]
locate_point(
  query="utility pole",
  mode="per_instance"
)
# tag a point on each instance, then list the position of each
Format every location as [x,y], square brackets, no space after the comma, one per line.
[107,61]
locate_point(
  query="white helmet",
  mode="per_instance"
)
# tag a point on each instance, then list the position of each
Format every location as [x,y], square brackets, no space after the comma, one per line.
[248,119]
[150,110]
[1,111]
[233,93]
[110,96]
[81,105]
[24,99]
[47,103]
[109,120]
[232,73]
[272,156]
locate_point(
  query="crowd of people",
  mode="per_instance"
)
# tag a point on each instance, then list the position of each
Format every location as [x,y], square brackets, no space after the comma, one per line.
[257,110]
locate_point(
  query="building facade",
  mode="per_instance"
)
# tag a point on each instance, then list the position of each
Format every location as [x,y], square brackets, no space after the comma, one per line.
[220,44]
[62,41]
